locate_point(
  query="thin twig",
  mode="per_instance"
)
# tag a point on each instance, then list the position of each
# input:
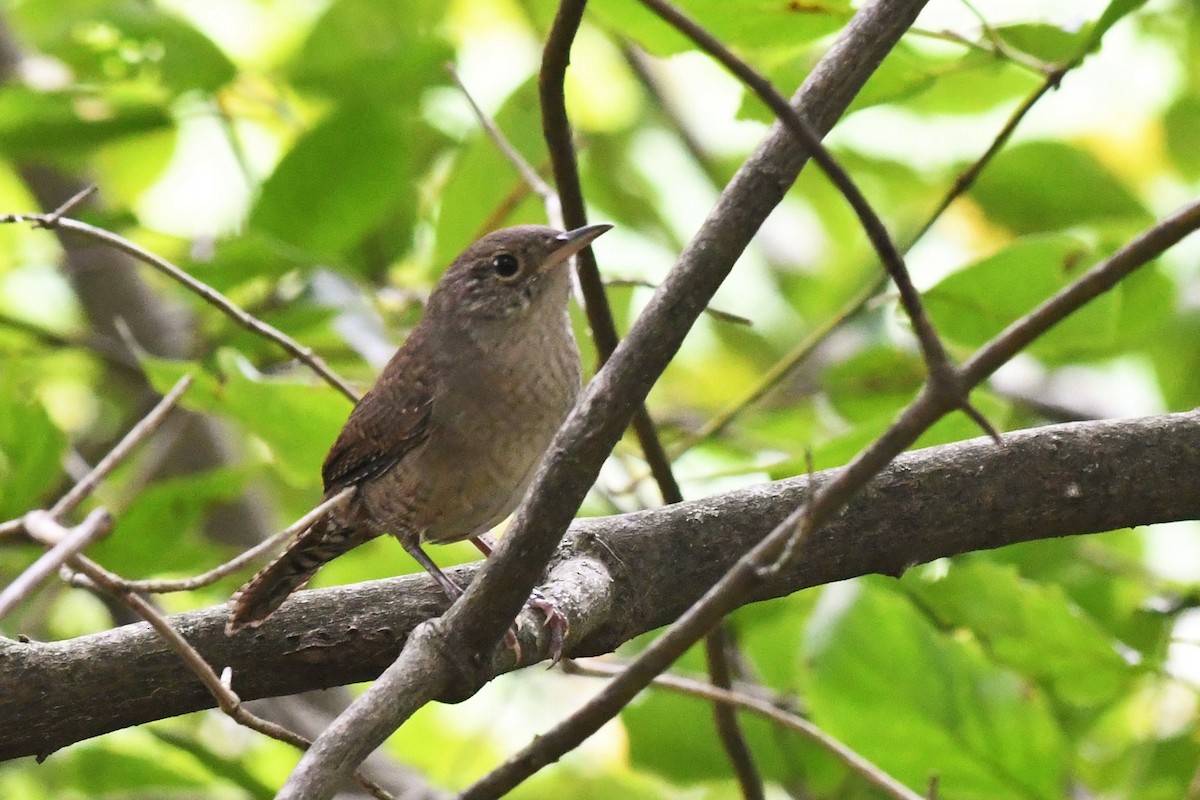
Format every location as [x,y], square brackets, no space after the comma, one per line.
[941,370]
[757,705]
[556,128]
[54,216]
[964,181]
[44,528]
[145,426]
[733,741]
[95,526]
[234,564]
[530,175]
[88,483]
[203,290]
[715,313]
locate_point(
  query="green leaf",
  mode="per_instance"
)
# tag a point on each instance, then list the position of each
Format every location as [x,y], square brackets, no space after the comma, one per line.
[1182,126]
[672,735]
[62,123]
[367,51]
[105,42]
[31,453]
[158,531]
[296,422]
[244,258]
[1045,42]
[929,83]
[1050,185]
[129,764]
[974,304]
[874,383]
[1098,574]
[918,704]
[354,170]
[183,57]
[1113,12]
[1176,357]
[1031,627]
[747,24]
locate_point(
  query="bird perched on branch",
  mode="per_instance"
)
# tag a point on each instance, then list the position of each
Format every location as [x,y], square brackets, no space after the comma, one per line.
[445,443]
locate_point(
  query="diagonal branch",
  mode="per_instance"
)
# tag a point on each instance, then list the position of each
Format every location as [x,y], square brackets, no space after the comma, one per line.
[55,221]
[938,362]
[965,180]
[725,697]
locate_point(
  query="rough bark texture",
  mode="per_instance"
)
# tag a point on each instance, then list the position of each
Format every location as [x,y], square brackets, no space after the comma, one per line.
[617,577]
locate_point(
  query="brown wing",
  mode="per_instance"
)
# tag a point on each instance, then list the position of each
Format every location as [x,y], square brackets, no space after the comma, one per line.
[388,422]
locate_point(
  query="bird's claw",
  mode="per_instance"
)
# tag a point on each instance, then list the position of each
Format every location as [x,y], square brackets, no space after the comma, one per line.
[555,620]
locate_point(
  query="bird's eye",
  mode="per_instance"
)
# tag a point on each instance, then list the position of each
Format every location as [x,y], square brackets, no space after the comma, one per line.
[505,265]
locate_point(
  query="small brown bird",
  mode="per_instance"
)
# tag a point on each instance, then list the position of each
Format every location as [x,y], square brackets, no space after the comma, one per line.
[445,443]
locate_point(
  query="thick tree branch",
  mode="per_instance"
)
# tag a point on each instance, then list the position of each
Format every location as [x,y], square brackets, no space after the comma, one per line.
[617,577]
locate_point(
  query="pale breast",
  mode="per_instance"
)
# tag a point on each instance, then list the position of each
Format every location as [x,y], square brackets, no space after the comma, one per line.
[494,417]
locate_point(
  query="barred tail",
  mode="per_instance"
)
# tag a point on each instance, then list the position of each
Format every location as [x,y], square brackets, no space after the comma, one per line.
[291,569]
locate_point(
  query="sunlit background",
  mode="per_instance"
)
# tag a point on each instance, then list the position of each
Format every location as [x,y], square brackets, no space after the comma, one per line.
[315,162]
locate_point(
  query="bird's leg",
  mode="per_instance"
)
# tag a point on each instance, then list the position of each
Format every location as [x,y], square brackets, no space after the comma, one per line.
[453,590]
[555,619]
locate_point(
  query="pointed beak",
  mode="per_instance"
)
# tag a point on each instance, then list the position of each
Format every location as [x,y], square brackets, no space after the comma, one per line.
[572,242]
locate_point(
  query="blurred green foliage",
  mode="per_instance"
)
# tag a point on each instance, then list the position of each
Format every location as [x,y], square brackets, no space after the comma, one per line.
[278,149]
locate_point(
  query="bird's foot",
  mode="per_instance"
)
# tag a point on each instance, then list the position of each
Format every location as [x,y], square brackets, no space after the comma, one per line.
[512,642]
[556,621]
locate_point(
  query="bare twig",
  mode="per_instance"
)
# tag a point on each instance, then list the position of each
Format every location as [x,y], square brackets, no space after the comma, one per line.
[44,528]
[715,313]
[941,370]
[95,526]
[965,180]
[556,127]
[729,698]
[246,557]
[716,650]
[138,433]
[88,483]
[54,216]
[203,290]
[528,174]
